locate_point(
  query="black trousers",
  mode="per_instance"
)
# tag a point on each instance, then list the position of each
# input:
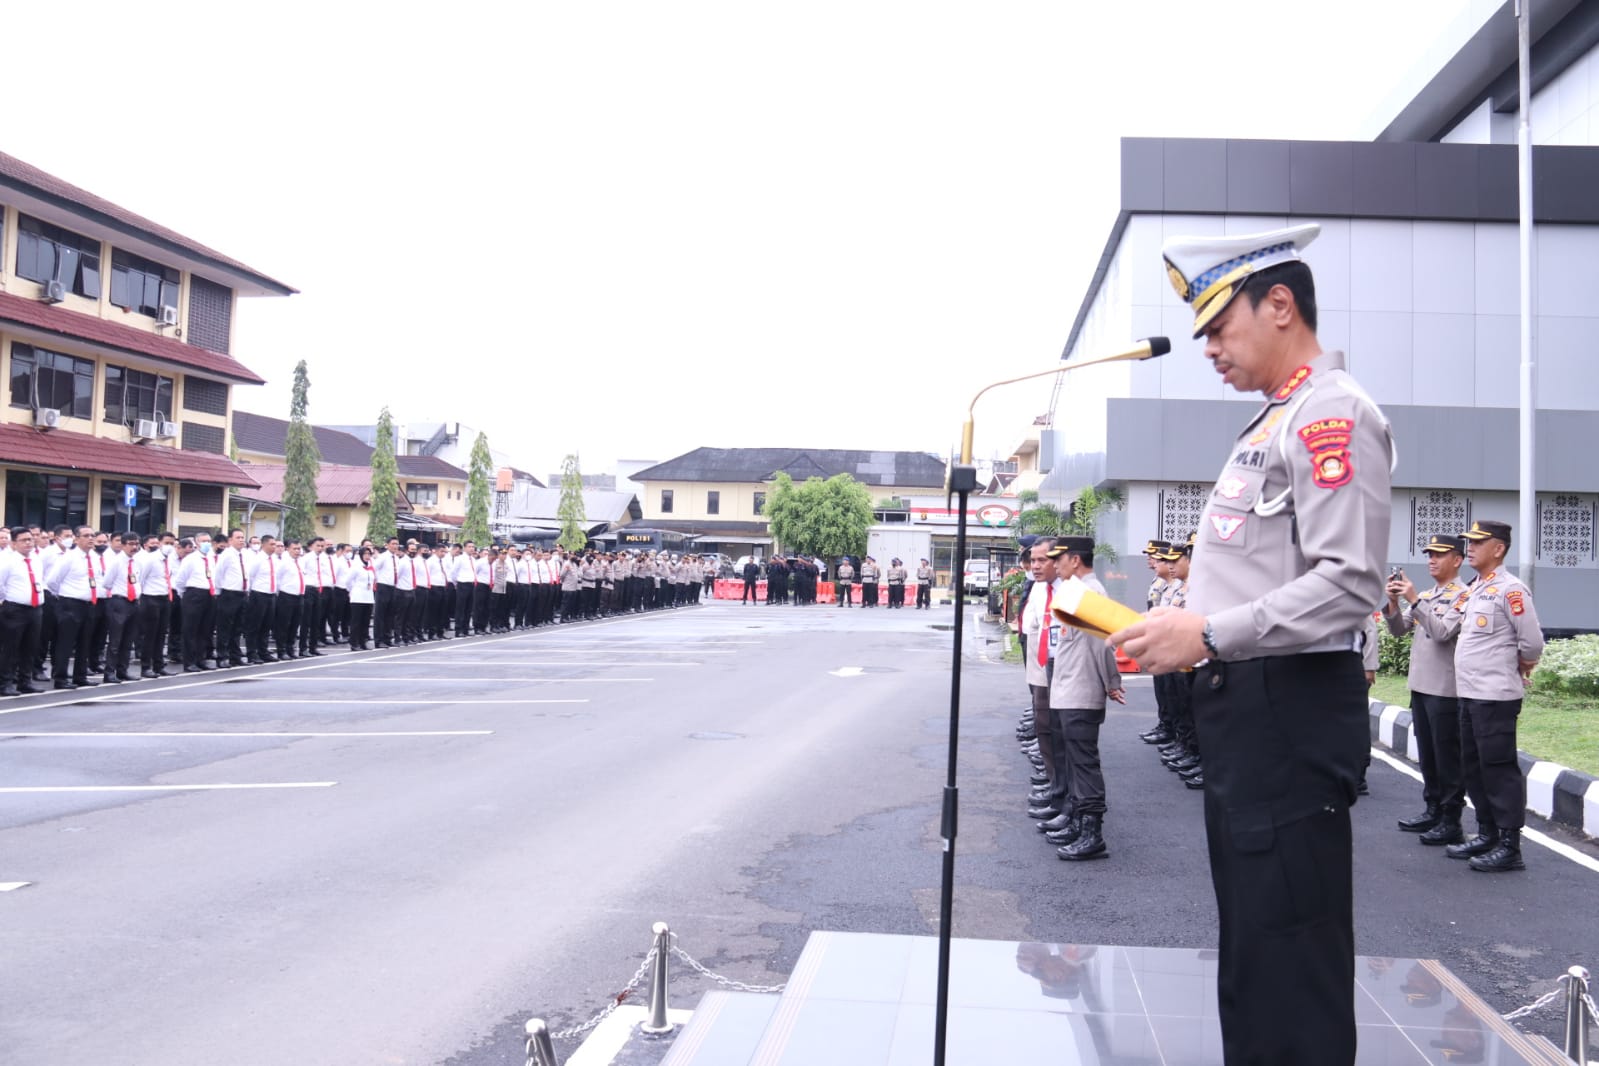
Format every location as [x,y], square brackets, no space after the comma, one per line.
[1077,748]
[286,622]
[481,594]
[1285,740]
[1488,762]
[199,608]
[98,628]
[439,600]
[1044,730]
[310,629]
[463,608]
[924,595]
[382,614]
[230,622]
[154,612]
[19,638]
[360,622]
[325,620]
[258,615]
[405,627]
[1436,721]
[844,593]
[339,620]
[122,625]
[569,598]
[868,594]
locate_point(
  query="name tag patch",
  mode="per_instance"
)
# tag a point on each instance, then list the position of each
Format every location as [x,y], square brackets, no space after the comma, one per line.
[1226,526]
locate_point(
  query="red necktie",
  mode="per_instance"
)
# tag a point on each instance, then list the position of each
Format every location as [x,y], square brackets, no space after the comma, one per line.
[32,584]
[297,570]
[130,579]
[413,573]
[94,589]
[272,574]
[166,572]
[319,573]
[1043,638]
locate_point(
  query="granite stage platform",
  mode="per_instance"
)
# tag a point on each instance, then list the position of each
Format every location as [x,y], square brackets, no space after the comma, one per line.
[866,999]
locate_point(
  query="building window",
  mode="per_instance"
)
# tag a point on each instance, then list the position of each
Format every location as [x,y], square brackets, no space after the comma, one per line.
[422,495]
[206,397]
[713,502]
[42,378]
[201,499]
[199,437]
[666,501]
[49,253]
[139,285]
[148,515]
[46,500]
[760,503]
[135,394]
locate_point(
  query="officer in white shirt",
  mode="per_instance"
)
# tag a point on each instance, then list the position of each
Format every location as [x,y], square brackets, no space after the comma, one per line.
[339,621]
[119,591]
[22,609]
[197,588]
[291,597]
[153,572]
[260,609]
[227,574]
[385,570]
[71,579]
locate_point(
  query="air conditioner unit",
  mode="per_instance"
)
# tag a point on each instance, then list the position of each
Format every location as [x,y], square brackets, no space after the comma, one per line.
[46,417]
[54,292]
[166,429]
[330,520]
[144,427]
[168,316]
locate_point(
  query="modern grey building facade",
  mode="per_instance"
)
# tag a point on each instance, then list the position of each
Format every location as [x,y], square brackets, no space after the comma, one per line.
[1417,276]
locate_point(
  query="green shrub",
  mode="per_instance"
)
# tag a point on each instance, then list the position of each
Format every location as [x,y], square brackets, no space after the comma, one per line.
[1569,666]
[1393,652]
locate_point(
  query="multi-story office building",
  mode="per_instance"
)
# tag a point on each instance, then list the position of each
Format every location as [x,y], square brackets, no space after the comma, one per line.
[1417,280]
[115,334]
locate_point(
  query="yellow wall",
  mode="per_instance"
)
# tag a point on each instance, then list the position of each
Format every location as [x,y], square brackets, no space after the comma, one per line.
[738,499]
[349,526]
[452,495]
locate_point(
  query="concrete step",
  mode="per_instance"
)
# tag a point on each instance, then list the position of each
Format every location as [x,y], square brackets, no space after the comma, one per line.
[724,1031]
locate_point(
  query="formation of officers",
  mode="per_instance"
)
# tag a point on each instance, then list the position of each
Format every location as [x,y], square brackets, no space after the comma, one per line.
[81,608]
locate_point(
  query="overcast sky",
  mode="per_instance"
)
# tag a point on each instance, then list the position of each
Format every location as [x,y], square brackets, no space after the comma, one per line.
[629,229]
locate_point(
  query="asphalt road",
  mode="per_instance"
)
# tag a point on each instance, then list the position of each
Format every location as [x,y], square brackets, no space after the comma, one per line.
[443,841]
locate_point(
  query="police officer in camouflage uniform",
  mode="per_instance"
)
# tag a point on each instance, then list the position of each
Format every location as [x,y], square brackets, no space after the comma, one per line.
[1290,560]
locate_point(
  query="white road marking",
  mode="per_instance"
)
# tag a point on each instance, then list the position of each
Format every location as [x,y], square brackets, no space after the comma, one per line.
[498,680]
[12,886]
[629,663]
[363,703]
[848,671]
[1527,833]
[284,733]
[166,788]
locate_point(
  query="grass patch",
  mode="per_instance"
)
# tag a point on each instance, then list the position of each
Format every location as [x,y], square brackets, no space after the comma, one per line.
[1013,648]
[1555,726]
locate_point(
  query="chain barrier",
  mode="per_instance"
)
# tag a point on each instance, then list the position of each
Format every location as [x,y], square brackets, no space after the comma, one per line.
[1538,1004]
[534,1057]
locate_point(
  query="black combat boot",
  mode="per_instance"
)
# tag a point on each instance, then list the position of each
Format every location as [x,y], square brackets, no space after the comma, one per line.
[1506,854]
[1447,831]
[1055,824]
[1068,833]
[1422,822]
[1089,844]
[1481,844]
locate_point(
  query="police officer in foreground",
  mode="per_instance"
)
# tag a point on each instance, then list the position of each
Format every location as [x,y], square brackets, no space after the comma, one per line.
[1434,708]
[1154,551]
[1499,645]
[1290,553]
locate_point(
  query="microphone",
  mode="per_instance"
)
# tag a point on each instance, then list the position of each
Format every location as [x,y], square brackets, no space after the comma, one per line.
[1148,348]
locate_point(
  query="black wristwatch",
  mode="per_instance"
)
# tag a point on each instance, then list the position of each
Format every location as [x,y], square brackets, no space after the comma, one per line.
[1209,637]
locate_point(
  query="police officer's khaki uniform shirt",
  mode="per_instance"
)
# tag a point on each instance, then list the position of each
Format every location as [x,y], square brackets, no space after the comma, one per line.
[1085,666]
[1370,645]
[1432,649]
[1173,594]
[1498,627]
[1157,592]
[1288,556]
[896,575]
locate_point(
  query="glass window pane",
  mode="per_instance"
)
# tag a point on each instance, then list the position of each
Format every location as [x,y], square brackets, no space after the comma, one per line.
[21,375]
[89,276]
[119,286]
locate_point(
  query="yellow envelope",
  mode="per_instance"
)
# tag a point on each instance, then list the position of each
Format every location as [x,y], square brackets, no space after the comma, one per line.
[1081,607]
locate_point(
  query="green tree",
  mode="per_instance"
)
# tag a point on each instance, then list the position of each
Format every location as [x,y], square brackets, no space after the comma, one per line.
[478,487]
[302,463]
[574,522]
[825,518]
[385,482]
[1081,519]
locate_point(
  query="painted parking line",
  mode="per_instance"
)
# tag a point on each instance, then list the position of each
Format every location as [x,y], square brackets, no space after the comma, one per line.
[281,733]
[1559,848]
[120,700]
[12,886]
[321,678]
[166,788]
[629,663]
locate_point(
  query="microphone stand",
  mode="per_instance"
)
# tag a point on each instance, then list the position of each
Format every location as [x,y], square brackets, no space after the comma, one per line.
[960,479]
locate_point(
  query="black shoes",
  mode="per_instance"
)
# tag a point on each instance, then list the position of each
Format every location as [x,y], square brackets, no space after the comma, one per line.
[1043,814]
[1422,822]
[1505,856]
[1447,831]
[1481,844]
[1056,824]
[1090,844]
[66,685]
[1067,833]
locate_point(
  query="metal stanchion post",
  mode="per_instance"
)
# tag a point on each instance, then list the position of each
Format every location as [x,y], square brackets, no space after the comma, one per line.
[663,947]
[540,1052]
[1577,1015]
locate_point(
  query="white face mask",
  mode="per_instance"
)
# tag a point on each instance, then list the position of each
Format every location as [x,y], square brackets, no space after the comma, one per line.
[65,542]
[205,549]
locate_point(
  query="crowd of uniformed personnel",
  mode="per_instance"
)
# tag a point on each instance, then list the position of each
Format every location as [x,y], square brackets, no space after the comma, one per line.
[81,608]
[1261,634]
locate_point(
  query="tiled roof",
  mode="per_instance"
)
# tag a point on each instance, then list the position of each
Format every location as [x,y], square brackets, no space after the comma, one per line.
[14,172]
[64,450]
[269,436]
[915,469]
[336,485]
[427,466]
[56,320]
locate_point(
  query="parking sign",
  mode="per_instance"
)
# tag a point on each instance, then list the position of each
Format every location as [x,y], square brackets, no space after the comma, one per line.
[130,496]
